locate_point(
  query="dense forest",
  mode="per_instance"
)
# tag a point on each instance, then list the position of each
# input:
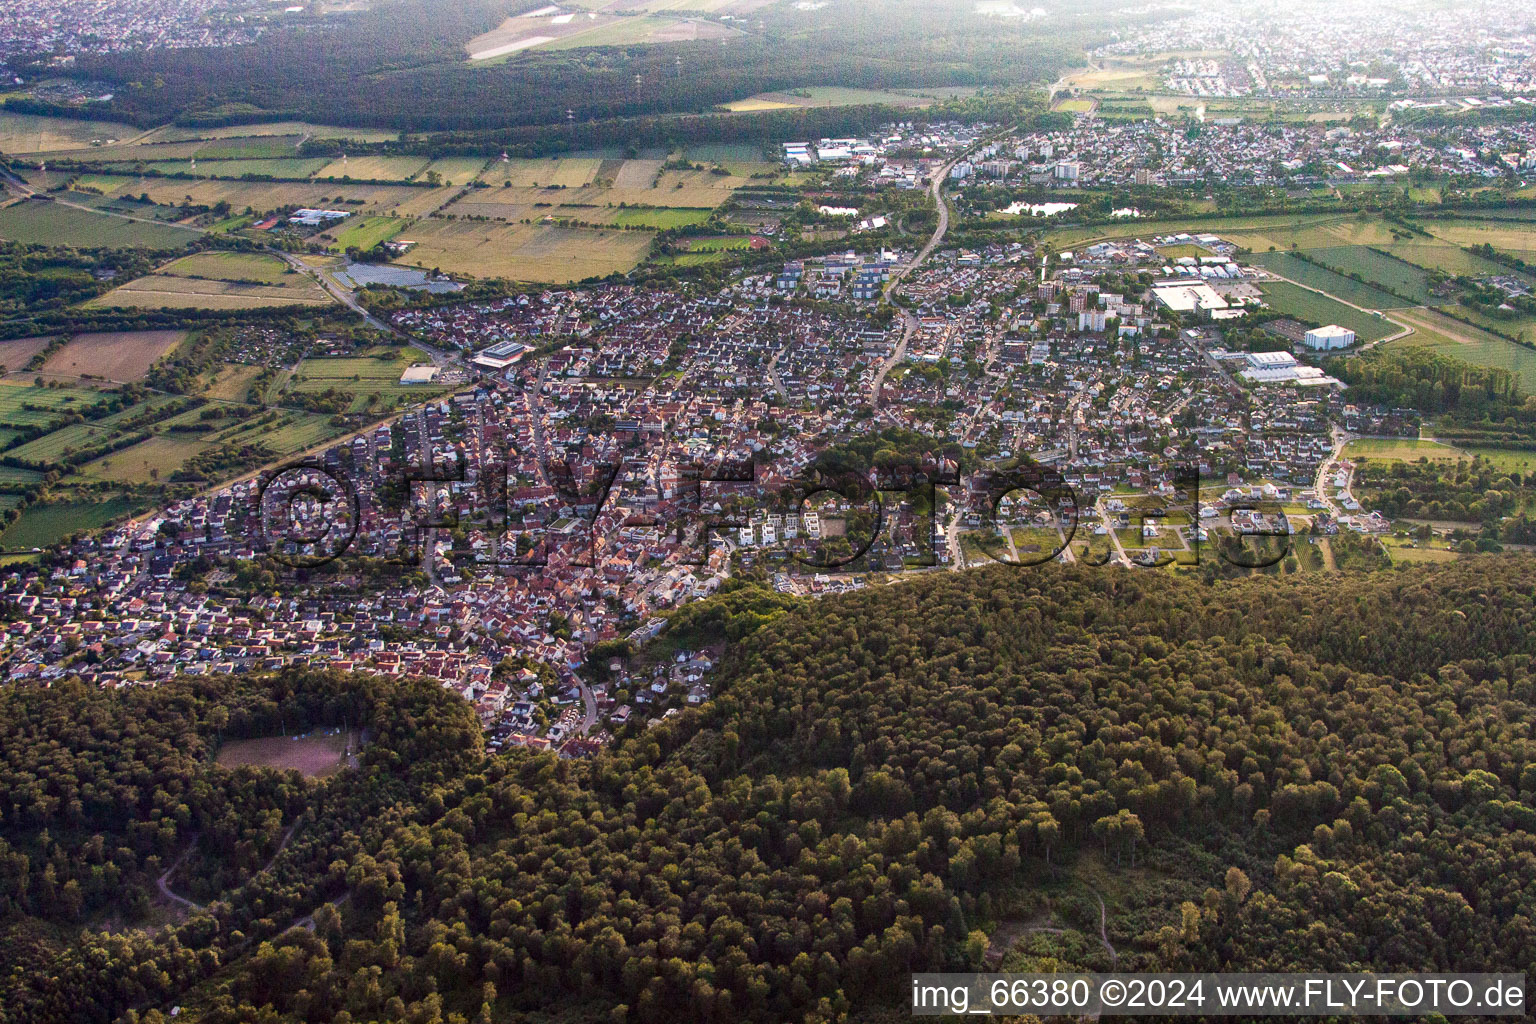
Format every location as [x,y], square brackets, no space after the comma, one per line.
[402,65]
[1329,773]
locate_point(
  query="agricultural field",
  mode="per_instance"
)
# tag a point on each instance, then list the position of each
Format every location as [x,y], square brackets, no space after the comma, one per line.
[699,183]
[726,153]
[1335,284]
[15,354]
[43,223]
[1294,300]
[231,382]
[150,460]
[638,174]
[250,147]
[1394,275]
[455,170]
[1448,259]
[285,168]
[125,356]
[46,524]
[1510,236]
[565,171]
[373,168]
[218,280]
[524,252]
[313,755]
[266,195]
[1465,342]
[640,31]
[177,133]
[25,134]
[660,219]
[1408,450]
[365,232]
[825,96]
[363,376]
[27,405]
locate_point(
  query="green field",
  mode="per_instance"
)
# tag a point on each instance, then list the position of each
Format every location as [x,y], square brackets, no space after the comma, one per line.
[1448,259]
[266,147]
[233,266]
[660,218]
[455,170]
[724,243]
[1394,275]
[362,376]
[1467,343]
[1294,300]
[47,404]
[29,133]
[43,525]
[1508,235]
[289,169]
[367,232]
[40,223]
[1335,284]
[1407,450]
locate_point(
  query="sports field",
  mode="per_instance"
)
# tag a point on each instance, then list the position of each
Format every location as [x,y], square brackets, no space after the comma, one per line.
[313,755]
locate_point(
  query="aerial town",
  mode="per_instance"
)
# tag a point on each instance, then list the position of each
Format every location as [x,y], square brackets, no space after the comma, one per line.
[1080,406]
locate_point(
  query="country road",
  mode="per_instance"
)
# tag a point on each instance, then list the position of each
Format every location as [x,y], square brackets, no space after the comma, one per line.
[909,322]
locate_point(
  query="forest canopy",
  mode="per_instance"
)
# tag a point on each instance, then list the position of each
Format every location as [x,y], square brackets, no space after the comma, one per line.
[1251,774]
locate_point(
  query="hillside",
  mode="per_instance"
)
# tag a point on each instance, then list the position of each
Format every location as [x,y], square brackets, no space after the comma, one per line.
[1250,775]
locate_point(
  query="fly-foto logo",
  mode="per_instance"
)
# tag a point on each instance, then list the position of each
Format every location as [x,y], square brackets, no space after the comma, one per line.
[830,519]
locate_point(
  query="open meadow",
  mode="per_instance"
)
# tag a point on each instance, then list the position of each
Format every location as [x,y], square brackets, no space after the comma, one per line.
[523,252]
[26,134]
[44,223]
[218,280]
[1409,450]
[1468,343]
